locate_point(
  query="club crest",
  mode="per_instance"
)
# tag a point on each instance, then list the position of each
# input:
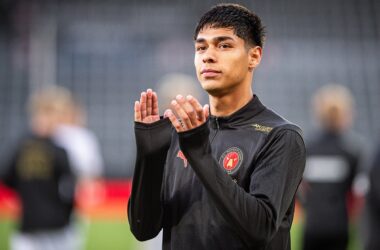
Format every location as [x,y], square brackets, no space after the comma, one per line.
[231,159]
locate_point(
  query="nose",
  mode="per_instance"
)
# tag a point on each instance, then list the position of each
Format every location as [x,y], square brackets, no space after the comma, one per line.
[209,56]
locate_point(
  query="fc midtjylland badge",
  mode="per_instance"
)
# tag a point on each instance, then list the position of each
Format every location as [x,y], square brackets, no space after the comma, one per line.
[231,159]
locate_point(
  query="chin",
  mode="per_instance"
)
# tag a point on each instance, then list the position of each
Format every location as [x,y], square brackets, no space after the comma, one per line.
[213,90]
[210,84]
[207,85]
[216,87]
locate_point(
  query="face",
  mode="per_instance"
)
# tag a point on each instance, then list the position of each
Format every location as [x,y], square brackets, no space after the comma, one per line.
[222,61]
[42,123]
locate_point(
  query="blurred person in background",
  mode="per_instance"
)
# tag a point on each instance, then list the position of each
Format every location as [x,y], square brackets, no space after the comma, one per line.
[84,155]
[40,173]
[372,241]
[332,162]
[80,143]
[175,84]
[225,180]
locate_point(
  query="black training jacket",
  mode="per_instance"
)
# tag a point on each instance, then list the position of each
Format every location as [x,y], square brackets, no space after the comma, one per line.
[40,173]
[228,184]
[331,165]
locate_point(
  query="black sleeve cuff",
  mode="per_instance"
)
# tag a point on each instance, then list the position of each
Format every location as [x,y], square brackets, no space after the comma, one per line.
[196,136]
[160,123]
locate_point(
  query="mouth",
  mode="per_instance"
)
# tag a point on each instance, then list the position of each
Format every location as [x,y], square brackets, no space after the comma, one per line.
[210,73]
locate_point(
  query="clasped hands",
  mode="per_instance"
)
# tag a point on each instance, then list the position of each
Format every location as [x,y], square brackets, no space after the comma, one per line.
[189,113]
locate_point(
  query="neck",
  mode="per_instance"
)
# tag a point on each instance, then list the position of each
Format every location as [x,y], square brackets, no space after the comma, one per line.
[229,104]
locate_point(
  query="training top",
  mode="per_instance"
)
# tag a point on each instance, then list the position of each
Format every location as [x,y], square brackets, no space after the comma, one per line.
[40,173]
[227,184]
[331,165]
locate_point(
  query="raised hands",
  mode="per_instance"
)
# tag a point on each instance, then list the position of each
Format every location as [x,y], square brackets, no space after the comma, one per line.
[190,113]
[146,110]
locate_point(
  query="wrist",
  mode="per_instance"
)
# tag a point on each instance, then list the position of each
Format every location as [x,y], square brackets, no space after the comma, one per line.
[194,137]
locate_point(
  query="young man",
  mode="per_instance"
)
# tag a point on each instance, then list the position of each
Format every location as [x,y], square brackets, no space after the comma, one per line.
[225,180]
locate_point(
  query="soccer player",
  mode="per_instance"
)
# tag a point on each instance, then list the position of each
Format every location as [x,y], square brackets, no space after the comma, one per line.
[333,158]
[222,176]
[40,172]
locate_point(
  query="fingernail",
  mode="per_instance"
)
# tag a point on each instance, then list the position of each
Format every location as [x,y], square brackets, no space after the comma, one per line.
[167,113]
[174,102]
[178,97]
[189,97]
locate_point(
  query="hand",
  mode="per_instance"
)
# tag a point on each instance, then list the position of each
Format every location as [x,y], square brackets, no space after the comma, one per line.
[146,110]
[190,113]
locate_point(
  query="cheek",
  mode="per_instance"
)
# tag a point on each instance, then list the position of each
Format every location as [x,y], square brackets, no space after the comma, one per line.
[196,62]
[237,66]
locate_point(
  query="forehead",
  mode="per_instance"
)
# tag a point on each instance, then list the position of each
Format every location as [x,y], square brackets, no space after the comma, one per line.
[210,33]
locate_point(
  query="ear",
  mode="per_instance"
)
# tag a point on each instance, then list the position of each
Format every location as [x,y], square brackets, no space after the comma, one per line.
[254,57]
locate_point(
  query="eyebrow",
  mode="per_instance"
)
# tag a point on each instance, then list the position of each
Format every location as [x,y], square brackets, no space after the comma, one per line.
[215,39]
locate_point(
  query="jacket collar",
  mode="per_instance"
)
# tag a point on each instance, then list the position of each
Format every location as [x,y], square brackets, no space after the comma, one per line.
[240,117]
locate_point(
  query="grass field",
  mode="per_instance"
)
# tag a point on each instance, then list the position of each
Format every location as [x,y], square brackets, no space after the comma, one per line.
[106,226]
[99,235]
[115,235]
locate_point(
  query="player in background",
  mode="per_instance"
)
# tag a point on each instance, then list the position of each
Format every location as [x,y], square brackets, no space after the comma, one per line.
[333,158]
[40,173]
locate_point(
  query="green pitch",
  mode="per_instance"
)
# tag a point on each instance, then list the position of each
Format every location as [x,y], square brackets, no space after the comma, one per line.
[99,235]
[115,235]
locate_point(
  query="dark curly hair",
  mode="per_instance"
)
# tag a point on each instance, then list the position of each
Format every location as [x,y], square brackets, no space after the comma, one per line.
[246,24]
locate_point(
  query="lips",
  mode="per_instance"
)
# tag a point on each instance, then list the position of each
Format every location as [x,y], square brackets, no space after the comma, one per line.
[210,73]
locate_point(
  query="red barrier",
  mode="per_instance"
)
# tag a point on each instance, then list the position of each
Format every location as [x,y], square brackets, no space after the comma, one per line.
[9,203]
[102,199]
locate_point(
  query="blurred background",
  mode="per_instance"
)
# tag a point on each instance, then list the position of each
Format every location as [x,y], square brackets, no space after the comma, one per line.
[107,52]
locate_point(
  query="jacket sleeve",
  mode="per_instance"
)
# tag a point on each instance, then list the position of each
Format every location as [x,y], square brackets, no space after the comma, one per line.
[66,178]
[256,215]
[9,176]
[145,209]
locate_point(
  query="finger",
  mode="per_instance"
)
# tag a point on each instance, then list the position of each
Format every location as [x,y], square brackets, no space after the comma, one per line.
[143,105]
[189,109]
[137,112]
[197,107]
[182,114]
[155,110]
[206,111]
[175,122]
[166,113]
[190,112]
[149,102]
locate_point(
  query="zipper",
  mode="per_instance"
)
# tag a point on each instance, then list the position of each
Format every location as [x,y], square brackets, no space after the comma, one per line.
[217,129]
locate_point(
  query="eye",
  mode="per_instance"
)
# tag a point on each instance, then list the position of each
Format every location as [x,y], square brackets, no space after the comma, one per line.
[224,46]
[200,48]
